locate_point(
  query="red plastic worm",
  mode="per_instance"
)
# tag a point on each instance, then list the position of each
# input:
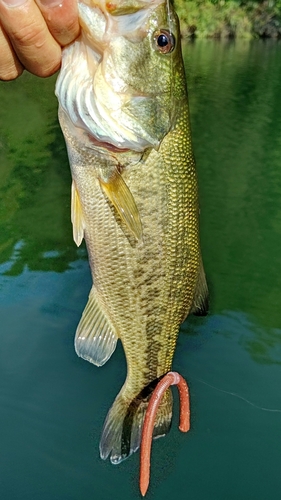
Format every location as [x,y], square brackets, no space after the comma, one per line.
[171,378]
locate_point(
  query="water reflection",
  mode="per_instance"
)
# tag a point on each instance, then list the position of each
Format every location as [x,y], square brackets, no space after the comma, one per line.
[236,117]
[54,404]
[262,343]
[34,180]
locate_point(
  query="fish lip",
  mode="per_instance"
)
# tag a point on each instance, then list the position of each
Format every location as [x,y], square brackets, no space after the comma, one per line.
[106,145]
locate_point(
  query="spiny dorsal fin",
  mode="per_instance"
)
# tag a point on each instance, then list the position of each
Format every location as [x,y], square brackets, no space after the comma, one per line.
[77,219]
[200,304]
[117,191]
[95,339]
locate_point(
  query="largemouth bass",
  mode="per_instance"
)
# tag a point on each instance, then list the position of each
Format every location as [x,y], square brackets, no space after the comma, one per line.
[124,114]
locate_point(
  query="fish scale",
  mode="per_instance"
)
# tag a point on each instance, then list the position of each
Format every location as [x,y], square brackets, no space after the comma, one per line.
[182,229]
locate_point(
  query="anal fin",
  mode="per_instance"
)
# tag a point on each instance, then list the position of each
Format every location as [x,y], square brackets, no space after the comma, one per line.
[95,338]
[117,191]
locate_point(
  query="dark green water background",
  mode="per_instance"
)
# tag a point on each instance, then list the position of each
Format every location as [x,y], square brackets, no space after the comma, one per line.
[53,404]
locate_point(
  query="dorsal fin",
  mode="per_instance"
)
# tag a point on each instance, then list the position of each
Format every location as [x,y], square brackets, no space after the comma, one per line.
[95,338]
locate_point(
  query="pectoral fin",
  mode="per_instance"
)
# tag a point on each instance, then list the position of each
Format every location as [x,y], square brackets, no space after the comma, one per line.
[121,197]
[95,338]
[76,216]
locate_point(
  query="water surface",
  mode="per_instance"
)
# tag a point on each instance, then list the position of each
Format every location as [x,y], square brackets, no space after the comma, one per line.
[53,404]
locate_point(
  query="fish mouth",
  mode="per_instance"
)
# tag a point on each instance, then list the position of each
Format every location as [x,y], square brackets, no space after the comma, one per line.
[94,89]
[106,145]
[123,7]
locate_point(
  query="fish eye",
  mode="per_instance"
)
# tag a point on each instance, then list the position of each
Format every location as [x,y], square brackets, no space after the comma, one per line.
[165,41]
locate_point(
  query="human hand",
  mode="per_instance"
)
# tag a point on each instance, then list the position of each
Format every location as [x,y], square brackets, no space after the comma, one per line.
[32,34]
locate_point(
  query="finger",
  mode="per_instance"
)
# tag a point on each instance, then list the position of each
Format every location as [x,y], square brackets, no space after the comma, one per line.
[61,17]
[10,66]
[29,35]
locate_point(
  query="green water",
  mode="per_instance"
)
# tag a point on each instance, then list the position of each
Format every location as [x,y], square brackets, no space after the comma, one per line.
[52,403]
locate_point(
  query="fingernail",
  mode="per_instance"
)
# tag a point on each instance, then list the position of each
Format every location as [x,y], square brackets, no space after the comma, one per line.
[14,3]
[50,3]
